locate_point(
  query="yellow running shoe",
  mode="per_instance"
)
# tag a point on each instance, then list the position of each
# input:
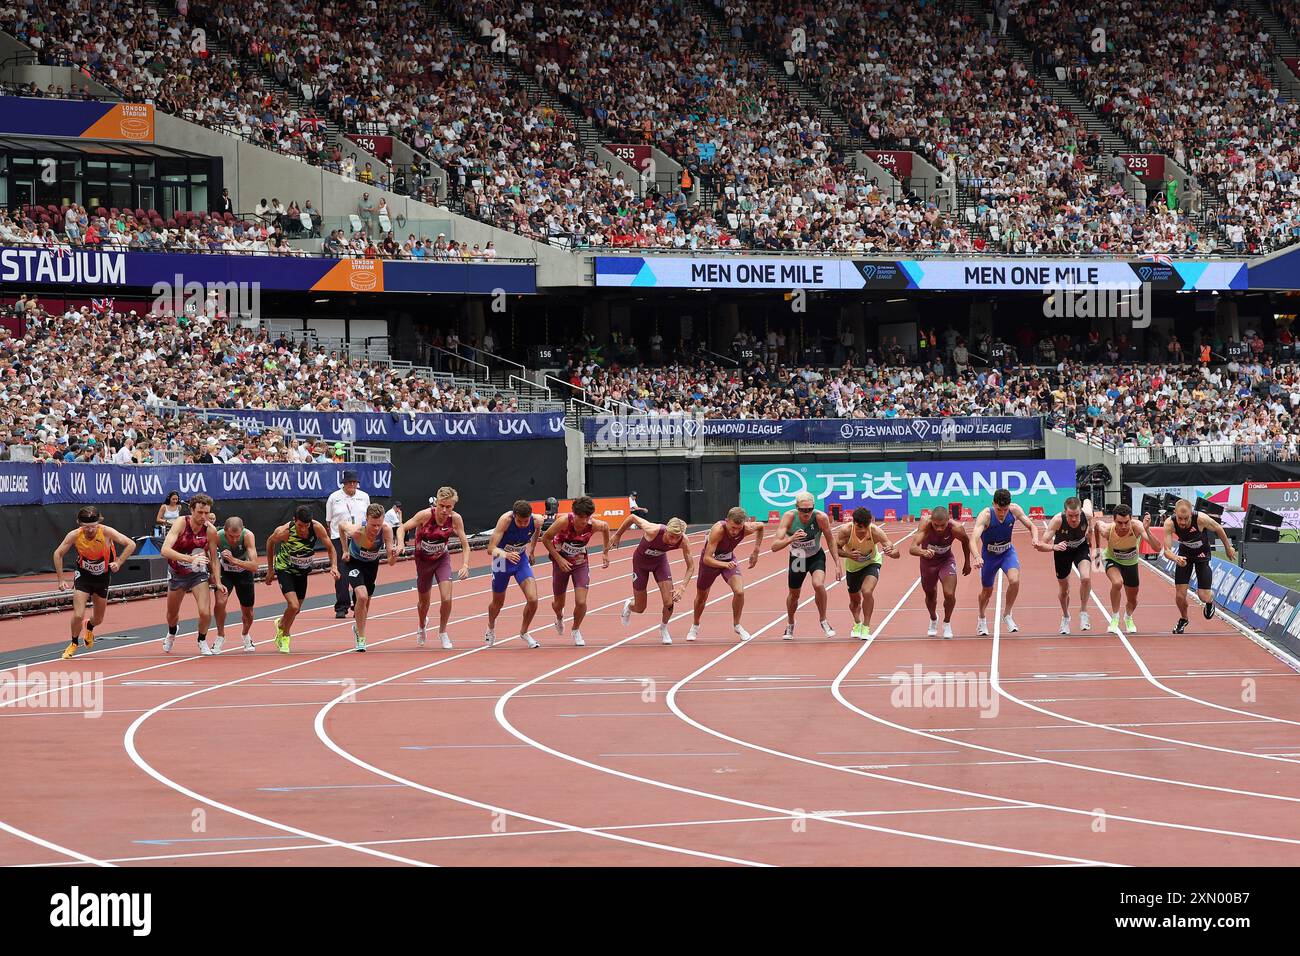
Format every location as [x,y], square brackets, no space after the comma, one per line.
[70,650]
[89,638]
[281,638]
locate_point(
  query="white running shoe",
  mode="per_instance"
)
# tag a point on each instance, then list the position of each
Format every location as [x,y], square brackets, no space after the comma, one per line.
[1065,624]
[218,643]
[559,625]
[693,633]
[933,629]
[490,637]
[982,627]
[528,639]
[577,638]
[445,638]
[743,634]
[827,629]
[789,633]
[1011,623]
[168,642]
[419,638]
[1085,624]
[625,615]
[249,646]
[204,649]
[947,631]
[664,636]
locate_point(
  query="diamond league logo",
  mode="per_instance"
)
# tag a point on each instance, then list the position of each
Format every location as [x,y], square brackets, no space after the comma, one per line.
[1144,273]
[868,271]
[921,426]
[780,486]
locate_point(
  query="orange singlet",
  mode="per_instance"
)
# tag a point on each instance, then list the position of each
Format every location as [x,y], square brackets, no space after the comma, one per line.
[96,554]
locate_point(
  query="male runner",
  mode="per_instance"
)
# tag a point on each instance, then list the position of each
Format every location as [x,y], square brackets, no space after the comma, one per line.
[861,543]
[566,541]
[718,559]
[289,554]
[434,528]
[651,560]
[238,550]
[514,531]
[1191,529]
[97,559]
[933,545]
[364,543]
[801,531]
[193,568]
[1070,543]
[992,541]
[1122,535]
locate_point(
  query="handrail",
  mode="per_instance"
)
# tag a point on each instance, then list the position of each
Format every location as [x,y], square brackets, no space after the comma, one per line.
[493,355]
[487,372]
[574,388]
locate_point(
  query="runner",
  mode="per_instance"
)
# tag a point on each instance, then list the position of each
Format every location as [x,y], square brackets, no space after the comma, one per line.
[566,541]
[193,567]
[718,559]
[806,557]
[514,531]
[238,550]
[651,559]
[933,545]
[861,543]
[434,528]
[365,543]
[1070,543]
[992,542]
[290,551]
[98,559]
[1190,529]
[1121,535]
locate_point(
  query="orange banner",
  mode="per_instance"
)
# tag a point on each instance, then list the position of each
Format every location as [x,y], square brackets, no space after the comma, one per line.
[124,121]
[613,510]
[353,275]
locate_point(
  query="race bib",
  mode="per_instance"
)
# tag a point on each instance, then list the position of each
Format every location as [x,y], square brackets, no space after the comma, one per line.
[301,561]
[998,547]
[94,567]
[433,549]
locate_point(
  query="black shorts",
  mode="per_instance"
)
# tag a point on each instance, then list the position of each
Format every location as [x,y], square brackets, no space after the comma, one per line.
[241,584]
[816,563]
[1067,560]
[362,574]
[1128,572]
[854,579]
[292,582]
[95,585]
[1204,573]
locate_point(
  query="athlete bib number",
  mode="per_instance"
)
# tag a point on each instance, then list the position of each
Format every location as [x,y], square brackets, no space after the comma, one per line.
[998,547]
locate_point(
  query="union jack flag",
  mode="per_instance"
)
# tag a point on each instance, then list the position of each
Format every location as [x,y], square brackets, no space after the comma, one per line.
[313,123]
[1159,257]
[102,306]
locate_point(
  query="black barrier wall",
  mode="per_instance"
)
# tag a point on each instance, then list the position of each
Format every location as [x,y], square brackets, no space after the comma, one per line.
[700,490]
[1211,473]
[490,476]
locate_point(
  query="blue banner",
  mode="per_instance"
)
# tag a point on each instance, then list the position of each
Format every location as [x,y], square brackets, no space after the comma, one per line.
[1261,603]
[615,429]
[44,483]
[1240,591]
[395,427]
[1285,626]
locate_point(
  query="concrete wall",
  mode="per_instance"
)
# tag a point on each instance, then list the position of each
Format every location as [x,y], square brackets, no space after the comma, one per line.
[1060,445]
[575,462]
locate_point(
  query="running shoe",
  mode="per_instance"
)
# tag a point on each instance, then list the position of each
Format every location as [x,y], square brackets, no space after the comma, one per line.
[70,650]
[577,638]
[1129,623]
[281,638]
[982,627]
[864,634]
[933,629]
[625,615]
[693,633]
[1065,624]
[360,640]
[219,644]
[89,638]
[1114,625]
[743,634]
[204,649]
[249,646]
[559,626]
[1208,610]
[1181,626]
[168,642]
[827,629]
[1085,624]
[1011,623]
[419,637]
[664,636]
[947,631]
[445,638]
[489,637]
[528,639]
[789,633]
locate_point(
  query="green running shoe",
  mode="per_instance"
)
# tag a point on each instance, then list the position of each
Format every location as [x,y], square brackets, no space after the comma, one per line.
[360,640]
[281,638]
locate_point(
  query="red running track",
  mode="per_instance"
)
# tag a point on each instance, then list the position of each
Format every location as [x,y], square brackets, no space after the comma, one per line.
[1069,750]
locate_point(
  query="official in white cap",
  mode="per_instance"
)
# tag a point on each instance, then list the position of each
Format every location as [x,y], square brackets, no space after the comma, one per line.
[349,503]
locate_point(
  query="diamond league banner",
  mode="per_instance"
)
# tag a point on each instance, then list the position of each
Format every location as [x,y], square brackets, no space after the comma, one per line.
[1029,275]
[907,487]
[632,429]
[395,426]
[47,483]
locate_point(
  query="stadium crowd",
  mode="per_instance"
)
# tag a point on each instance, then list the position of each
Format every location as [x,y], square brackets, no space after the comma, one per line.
[104,386]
